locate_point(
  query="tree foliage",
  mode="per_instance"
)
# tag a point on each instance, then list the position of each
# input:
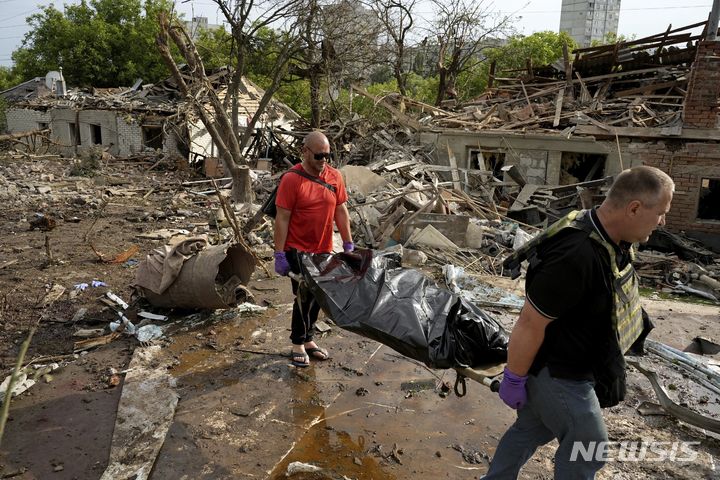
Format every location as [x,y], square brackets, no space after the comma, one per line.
[541,48]
[8,78]
[103,43]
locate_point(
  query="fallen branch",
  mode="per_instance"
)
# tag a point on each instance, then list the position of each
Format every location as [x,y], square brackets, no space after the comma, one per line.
[15,374]
[13,136]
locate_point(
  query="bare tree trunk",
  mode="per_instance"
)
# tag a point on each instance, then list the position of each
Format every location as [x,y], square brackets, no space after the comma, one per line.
[399,74]
[442,83]
[314,98]
[242,185]
[219,126]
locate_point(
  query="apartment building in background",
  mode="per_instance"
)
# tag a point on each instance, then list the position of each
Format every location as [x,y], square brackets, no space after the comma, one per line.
[588,20]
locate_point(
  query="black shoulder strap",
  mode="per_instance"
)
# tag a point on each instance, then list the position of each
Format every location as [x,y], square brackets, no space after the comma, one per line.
[529,251]
[303,173]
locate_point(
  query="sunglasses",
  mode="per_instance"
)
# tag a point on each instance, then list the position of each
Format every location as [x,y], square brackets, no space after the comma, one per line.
[321,155]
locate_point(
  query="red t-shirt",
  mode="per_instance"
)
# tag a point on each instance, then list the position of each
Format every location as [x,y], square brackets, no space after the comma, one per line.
[312,208]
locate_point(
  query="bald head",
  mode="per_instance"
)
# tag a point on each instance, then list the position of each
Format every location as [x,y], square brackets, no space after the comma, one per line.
[316,150]
[648,185]
[316,141]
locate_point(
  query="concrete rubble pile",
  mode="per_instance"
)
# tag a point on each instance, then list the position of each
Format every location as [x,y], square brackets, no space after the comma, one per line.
[400,197]
[636,83]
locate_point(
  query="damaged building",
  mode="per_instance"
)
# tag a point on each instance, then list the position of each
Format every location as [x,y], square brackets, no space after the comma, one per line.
[128,121]
[650,101]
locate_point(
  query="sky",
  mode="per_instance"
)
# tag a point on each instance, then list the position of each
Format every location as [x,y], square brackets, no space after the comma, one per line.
[637,17]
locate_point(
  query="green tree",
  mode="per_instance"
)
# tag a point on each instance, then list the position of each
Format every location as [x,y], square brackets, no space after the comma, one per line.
[541,48]
[103,43]
[214,47]
[8,78]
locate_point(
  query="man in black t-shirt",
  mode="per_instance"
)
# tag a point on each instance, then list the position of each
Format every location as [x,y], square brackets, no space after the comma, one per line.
[566,333]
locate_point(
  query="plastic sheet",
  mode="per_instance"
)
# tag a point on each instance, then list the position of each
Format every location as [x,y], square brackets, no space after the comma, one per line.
[367,292]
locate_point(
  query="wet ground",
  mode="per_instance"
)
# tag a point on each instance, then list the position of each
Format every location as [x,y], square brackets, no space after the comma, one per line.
[244,412]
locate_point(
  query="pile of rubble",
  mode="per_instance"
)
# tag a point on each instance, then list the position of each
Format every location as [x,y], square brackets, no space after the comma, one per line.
[400,196]
[637,83]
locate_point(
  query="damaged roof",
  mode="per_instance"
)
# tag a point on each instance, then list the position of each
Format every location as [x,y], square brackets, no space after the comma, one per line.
[161,97]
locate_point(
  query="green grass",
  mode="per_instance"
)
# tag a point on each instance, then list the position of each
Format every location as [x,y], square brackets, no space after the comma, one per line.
[685,298]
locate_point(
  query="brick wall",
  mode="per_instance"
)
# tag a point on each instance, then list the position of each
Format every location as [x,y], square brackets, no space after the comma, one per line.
[687,163]
[533,164]
[25,120]
[129,132]
[701,101]
[173,144]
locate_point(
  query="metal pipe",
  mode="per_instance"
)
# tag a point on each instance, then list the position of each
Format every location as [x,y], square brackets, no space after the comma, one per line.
[681,413]
[699,372]
[713,21]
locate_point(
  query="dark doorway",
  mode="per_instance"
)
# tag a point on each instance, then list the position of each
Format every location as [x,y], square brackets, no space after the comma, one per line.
[152,137]
[709,199]
[581,167]
[73,132]
[95,134]
[487,160]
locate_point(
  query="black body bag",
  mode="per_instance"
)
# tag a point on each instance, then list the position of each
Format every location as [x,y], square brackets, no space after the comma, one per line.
[369,293]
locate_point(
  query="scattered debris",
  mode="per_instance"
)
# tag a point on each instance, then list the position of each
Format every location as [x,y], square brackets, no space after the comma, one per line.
[54,294]
[192,274]
[145,413]
[471,455]
[679,412]
[26,378]
[299,467]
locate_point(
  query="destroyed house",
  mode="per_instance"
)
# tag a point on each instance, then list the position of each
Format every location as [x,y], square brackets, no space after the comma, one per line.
[131,121]
[650,101]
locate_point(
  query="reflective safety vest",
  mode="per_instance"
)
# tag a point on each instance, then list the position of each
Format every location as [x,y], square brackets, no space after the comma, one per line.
[626,314]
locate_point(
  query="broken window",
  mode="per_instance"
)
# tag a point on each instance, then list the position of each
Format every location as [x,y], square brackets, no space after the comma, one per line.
[490,161]
[581,167]
[95,134]
[73,134]
[709,199]
[152,137]
[42,125]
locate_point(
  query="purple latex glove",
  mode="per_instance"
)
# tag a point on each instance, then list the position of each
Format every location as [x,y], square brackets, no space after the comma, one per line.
[282,267]
[348,247]
[512,390]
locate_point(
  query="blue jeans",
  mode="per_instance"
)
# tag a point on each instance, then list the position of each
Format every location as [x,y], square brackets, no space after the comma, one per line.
[557,408]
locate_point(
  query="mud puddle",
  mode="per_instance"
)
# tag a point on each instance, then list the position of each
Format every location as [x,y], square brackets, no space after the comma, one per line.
[367,413]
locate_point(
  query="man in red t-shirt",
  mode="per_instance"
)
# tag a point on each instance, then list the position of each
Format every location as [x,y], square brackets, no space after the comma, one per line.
[306,210]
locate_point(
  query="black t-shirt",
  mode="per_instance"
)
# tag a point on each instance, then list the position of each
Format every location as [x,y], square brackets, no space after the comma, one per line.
[572,286]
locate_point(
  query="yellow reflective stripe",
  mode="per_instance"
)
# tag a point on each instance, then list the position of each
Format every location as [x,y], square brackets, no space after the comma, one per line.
[628,315]
[627,336]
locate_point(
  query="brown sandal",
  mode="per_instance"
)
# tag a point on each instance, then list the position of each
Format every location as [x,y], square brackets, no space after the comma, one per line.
[299,359]
[318,353]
